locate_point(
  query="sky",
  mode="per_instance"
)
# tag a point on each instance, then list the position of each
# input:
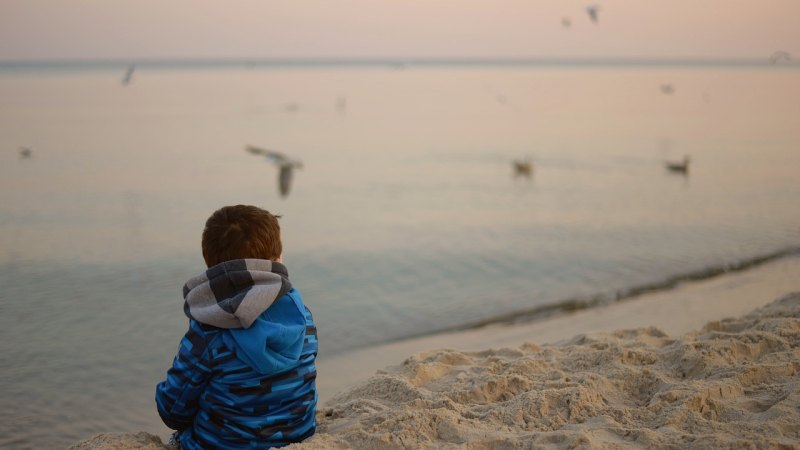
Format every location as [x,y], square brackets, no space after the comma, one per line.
[159,29]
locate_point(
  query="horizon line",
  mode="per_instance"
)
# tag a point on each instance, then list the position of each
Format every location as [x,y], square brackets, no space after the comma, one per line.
[396,62]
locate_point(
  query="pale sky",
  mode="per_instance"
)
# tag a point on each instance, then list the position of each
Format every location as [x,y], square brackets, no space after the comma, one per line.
[157,29]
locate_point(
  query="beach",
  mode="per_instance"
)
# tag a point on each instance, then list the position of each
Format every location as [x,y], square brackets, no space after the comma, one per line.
[731,384]
[709,364]
[388,239]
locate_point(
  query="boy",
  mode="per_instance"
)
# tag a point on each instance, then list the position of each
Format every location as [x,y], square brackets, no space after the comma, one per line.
[244,373]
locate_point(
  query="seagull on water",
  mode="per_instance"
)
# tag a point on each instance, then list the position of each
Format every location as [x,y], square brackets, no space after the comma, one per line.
[284,163]
[522,167]
[678,166]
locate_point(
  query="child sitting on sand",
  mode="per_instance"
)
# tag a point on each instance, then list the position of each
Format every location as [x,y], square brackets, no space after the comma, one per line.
[244,373]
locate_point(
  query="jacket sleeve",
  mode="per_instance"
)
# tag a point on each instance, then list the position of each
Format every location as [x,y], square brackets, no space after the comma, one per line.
[177,397]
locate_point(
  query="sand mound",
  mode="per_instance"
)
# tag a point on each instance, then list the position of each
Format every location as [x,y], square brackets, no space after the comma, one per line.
[121,441]
[732,384]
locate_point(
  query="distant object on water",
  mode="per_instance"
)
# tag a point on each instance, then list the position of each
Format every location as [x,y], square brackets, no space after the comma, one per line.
[667,88]
[291,107]
[592,11]
[780,57]
[283,162]
[522,167]
[498,96]
[566,22]
[681,167]
[341,105]
[126,80]
[25,152]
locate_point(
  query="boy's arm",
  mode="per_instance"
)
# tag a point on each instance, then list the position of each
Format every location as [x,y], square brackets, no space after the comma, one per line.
[177,396]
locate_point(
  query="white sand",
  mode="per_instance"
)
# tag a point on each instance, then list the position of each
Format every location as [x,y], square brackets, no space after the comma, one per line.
[733,384]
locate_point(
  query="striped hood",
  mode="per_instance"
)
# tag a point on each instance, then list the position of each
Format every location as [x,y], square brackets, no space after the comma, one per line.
[233,294]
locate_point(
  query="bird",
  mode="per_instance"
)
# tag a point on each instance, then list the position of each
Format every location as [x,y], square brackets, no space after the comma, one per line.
[126,80]
[25,152]
[566,22]
[592,11]
[667,88]
[780,56]
[522,167]
[284,163]
[678,166]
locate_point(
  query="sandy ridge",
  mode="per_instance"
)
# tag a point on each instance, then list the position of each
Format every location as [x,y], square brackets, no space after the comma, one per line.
[732,384]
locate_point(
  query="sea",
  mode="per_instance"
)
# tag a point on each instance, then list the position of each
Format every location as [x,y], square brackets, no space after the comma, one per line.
[406,218]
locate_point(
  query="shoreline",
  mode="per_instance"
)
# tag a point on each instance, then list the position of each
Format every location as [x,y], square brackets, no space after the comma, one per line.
[686,306]
[573,304]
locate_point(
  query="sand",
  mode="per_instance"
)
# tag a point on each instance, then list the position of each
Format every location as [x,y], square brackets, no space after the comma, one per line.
[732,384]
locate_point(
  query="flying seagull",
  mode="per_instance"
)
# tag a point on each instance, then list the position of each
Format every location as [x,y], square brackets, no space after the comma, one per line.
[592,11]
[283,162]
[678,166]
[126,80]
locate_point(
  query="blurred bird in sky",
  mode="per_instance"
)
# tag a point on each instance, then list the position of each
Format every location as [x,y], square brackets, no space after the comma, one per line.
[592,11]
[779,57]
[667,88]
[25,152]
[284,163]
[126,80]
[566,22]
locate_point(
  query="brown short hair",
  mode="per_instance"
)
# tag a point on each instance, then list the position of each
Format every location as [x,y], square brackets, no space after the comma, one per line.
[241,231]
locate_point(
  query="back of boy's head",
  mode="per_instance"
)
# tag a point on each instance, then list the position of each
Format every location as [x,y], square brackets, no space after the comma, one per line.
[239,232]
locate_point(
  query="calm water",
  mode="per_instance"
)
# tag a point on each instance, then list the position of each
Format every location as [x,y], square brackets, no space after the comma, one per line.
[405,219]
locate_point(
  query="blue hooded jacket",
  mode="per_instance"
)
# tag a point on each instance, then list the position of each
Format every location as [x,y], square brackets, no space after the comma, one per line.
[244,373]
